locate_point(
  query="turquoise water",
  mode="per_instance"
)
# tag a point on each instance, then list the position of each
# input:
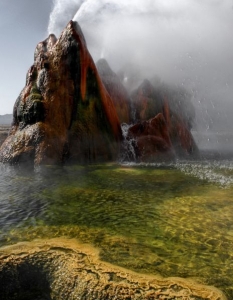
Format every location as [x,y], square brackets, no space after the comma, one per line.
[168,219]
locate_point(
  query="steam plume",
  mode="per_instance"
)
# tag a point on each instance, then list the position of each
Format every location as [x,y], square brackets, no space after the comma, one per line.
[184,42]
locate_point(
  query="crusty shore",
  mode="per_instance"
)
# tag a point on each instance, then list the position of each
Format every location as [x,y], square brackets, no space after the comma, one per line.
[64,269]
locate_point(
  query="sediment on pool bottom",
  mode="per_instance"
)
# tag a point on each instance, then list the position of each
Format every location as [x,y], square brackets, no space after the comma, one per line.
[59,269]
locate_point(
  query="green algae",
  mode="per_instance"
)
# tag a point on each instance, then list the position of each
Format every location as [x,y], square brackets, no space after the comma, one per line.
[151,220]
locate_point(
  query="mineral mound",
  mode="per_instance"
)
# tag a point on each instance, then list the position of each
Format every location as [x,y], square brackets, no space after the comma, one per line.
[71,110]
[64,111]
[162,122]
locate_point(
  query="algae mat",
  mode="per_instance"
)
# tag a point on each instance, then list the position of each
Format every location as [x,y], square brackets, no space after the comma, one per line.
[65,269]
[172,220]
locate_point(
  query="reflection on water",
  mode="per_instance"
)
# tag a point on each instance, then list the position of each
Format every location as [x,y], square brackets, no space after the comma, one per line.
[175,220]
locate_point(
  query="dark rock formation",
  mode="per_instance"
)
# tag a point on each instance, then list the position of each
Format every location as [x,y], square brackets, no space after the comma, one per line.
[152,139]
[179,101]
[116,90]
[163,123]
[69,111]
[62,269]
[146,102]
[64,112]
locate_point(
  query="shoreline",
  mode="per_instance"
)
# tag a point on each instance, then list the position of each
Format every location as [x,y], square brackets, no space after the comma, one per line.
[66,269]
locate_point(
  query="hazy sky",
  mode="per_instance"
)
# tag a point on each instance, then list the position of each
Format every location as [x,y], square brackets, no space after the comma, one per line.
[184,42]
[23,23]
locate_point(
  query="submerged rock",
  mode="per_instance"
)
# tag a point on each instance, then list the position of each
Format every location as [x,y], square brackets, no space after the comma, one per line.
[64,112]
[63,269]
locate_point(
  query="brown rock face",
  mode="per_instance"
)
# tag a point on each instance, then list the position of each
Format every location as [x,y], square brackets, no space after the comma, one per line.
[64,112]
[152,139]
[116,90]
[147,102]
[69,111]
[163,124]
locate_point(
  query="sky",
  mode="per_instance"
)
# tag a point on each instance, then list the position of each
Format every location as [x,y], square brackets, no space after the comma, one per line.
[23,23]
[186,43]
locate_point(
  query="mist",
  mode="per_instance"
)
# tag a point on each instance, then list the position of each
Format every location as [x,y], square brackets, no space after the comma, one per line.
[185,43]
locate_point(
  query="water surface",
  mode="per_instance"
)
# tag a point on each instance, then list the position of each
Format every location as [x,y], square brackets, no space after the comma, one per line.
[170,219]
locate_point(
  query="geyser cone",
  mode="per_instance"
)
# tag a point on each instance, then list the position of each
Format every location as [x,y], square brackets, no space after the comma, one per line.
[64,111]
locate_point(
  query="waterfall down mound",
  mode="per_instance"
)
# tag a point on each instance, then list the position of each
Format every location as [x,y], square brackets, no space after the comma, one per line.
[64,111]
[63,269]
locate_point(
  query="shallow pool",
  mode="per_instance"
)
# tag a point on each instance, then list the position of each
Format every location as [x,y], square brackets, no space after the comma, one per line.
[170,219]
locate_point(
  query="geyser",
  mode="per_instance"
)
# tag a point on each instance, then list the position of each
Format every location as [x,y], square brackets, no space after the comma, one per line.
[188,44]
[64,111]
[70,111]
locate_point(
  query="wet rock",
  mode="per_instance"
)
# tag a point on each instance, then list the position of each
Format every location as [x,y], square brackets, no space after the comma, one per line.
[64,112]
[181,137]
[63,269]
[146,102]
[163,124]
[116,90]
[152,140]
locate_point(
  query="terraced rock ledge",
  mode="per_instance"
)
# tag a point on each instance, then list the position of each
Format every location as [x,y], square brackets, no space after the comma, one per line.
[57,269]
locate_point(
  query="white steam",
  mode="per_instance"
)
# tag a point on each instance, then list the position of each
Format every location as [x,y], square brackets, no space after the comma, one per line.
[63,11]
[184,42]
